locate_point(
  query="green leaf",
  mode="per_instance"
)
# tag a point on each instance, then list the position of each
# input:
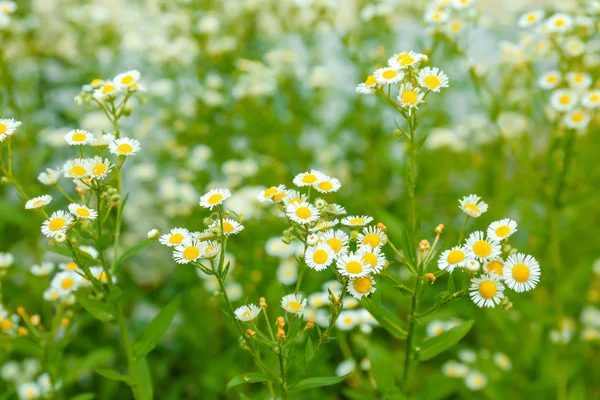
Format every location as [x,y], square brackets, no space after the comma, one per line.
[84,396]
[103,242]
[380,368]
[111,374]
[421,141]
[156,329]
[316,382]
[97,309]
[249,377]
[145,382]
[114,295]
[451,285]
[130,251]
[309,351]
[27,346]
[386,318]
[438,344]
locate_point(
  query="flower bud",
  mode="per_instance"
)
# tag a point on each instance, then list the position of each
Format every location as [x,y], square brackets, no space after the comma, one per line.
[21,311]
[65,322]
[5,180]
[280,322]
[382,226]
[439,229]
[263,303]
[35,319]
[22,331]
[424,245]
[250,332]
[310,323]
[153,234]
[431,277]
[280,334]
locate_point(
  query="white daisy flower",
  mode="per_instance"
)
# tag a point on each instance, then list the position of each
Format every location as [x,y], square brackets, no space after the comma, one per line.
[70,266]
[372,236]
[435,328]
[79,137]
[577,119]
[472,265]
[108,90]
[99,273]
[482,248]
[521,272]
[99,167]
[124,147]
[287,272]
[60,237]
[94,84]
[352,265]
[49,177]
[502,361]
[591,99]
[318,299]
[494,266]
[373,257]
[357,220]
[531,18]
[486,290]
[327,184]
[274,193]
[388,75]
[433,16]
[188,250]
[8,127]
[432,79]
[461,4]
[128,80]
[360,287]
[230,226]
[214,197]
[38,202]
[312,239]
[293,304]
[335,209]
[472,206]
[337,240]
[211,249]
[367,86]
[500,230]
[456,257]
[302,213]
[404,60]
[294,196]
[51,294]
[574,47]
[308,178]
[28,391]
[247,313]
[578,80]
[324,225]
[91,251]
[66,282]
[563,100]
[410,97]
[43,269]
[78,168]
[454,369]
[475,380]
[347,320]
[82,212]
[319,257]
[549,80]
[104,140]
[59,221]
[6,260]
[175,237]
[560,23]
[8,7]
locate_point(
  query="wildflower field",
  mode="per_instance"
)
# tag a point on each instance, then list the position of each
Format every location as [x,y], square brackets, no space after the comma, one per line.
[292,199]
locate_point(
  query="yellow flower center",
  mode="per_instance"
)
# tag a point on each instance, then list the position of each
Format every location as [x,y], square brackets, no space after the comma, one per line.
[432,82]
[127,80]
[191,253]
[78,171]
[456,256]
[303,212]
[215,198]
[471,207]
[354,267]
[279,196]
[54,295]
[37,203]
[357,221]
[96,81]
[520,273]
[371,80]
[578,78]
[409,97]
[83,212]
[370,259]
[325,185]
[455,26]
[71,266]
[294,305]
[495,267]
[335,244]
[564,99]
[482,248]
[309,178]
[531,18]
[67,283]
[124,148]
[389,74]
[99,169]
[102,277]
[487,289]
[363,285]
[559,22]
[3,128]
[577,117]
[552,79]
[79,137]
[594,98]
[56,224]
[320,256]
[270,192]
[228,227]
[176,238]
[348,320]
[502,230]
[107,89]
[6,324]
[372,239]
[407,60]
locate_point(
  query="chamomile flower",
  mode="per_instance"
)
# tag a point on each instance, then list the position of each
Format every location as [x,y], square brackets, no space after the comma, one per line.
[591,99]
[78,168]
[124,147]
[66,282]
[461,4]
[454,369]
[108,90]
[214,197]
[456,257]
[230,226]
[287,272]
[500,230]
[352,265]
[530,18]
[347,320]
[577,119]
[482,248]
[494,266]
[318,299]
[434,16]
[38,202]
[313,239]
[293,304]
[274,193]
[99,273]
[59,221]
[559,23]
[28,391]
[574,47]
[211,249]
[51,294]
[435,328]
[308,178]
[367,86]
[49,177]
[247,313]
[8,7]
[472,265]
[486,290]
[335,209]
[70,266]
[563,99]
[43,269]
[128,80]
[99,167]
[319,257]
[294,196]
[90,251]
[103,141]
[8,127]
[361,286]
[79,137]
[475,380]
[324,225]
[373,257]
[432,79]
[337,240]
[372,236]
[549,80]
[189,250]
[302,213]
[327,184]
[579,80]
[82,212]
[404,60]
[502,361]
[356,221]
[521,272]
[175,237]
[410,97]
[472,205]
[388,75]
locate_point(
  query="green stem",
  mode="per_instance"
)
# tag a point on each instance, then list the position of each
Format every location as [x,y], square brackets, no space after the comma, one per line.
[282,372]
[462,231]
[131,361]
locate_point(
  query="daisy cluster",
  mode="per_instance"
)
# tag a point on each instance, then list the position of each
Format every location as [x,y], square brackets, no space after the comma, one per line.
[449,17]
[346,244]
[474,368]
[125,84]
[491,268]
[28,379]
[411,81]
